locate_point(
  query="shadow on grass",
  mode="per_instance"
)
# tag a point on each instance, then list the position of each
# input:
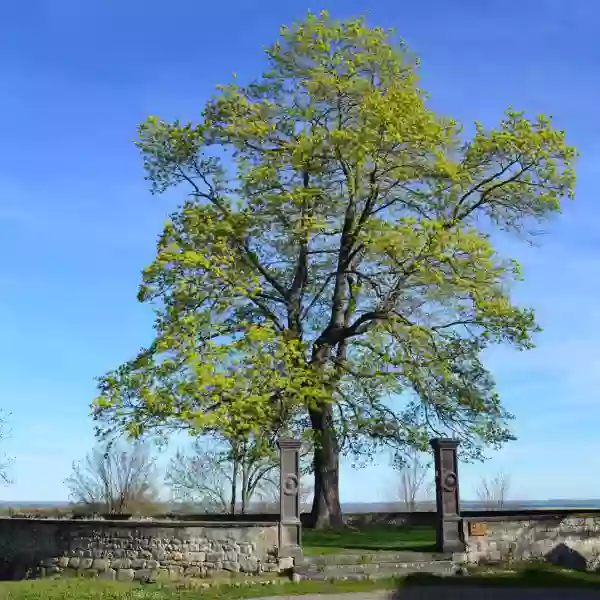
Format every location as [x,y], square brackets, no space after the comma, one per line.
[532,577]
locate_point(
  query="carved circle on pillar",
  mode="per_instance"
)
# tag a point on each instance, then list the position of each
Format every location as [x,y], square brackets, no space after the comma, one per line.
[449,481]
[290,485]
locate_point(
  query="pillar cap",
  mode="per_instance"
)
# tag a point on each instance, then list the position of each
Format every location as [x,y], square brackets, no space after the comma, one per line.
[289,444]
[443,443]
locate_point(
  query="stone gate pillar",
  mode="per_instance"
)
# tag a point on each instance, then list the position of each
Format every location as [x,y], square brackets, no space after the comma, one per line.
[290,541]
[449,524]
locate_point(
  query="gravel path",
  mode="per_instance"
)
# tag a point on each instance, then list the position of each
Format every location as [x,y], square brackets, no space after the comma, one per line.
[457,593]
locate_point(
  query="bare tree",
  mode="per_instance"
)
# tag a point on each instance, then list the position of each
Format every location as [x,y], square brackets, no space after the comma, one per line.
[5,461]
[221,474]
[224,475]
[115,478]
[414,485]
[201,478]
[493,492]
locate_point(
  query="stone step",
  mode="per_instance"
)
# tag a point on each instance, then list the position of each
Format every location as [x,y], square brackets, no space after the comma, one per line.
[413,567]
[372,571]
[375,557]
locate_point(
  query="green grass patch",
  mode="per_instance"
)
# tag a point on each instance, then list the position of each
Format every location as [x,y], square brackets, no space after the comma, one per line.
[371,539]
[93,589]
[521,576]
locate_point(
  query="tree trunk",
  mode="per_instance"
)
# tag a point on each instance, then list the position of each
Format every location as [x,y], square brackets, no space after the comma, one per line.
[326,510]
[244,491]
[234,483]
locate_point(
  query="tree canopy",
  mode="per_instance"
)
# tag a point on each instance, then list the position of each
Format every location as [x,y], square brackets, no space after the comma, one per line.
[333,264]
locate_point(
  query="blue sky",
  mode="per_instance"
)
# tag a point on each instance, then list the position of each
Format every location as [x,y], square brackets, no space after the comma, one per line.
[77,224]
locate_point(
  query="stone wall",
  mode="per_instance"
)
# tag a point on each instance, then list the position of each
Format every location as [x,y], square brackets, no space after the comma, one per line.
[365,519]
[391,519]
[134,550]
[567,538]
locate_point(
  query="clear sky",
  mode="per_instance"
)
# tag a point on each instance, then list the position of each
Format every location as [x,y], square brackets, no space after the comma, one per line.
[77,224]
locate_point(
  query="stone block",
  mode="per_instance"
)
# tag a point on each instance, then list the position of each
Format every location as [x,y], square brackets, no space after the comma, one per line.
[109,574]
[215,556]
[138,563]
[195,557]
[194,572]
[85,563]
[159,554]
[286,563]
[121,563]
[100,564]
[248,564]
[232,566]
[91,573]
[145,575]
[246,548]
[265,567]
[231,555]
[125,574]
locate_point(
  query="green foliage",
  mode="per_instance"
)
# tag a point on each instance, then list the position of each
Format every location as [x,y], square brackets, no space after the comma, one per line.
[335,251]
[230,588]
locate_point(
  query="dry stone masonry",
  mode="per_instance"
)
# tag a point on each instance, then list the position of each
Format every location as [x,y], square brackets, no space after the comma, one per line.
[570,540]
[141,551]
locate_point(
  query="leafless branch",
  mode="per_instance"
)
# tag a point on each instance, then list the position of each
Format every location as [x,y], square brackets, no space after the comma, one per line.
[115,478]
[414,485]
[494,492]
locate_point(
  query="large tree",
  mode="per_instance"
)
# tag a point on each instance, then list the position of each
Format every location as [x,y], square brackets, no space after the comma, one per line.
[333,264]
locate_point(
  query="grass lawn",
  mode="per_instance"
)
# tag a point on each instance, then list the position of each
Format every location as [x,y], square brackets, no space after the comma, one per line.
[524,576]
[369,539]
[94,589]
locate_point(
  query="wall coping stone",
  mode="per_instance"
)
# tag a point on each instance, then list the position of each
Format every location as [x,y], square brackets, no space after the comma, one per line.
[528,515]
[140,523]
